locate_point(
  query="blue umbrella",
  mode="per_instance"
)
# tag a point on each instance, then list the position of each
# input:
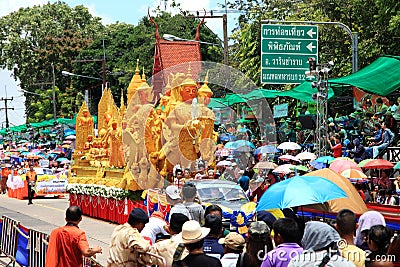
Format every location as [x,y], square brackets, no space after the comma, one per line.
[61,159]
[298,191]
[265,150]
[325,159]
[239,143]
[318,165]
[228,137]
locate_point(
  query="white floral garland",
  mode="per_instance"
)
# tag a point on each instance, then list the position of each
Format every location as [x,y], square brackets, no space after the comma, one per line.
[97,190]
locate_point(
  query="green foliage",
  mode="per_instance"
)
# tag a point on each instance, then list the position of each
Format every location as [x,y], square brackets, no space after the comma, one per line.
[33,38]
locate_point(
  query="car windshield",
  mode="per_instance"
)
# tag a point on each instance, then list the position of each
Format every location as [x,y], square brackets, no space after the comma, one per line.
[221,192]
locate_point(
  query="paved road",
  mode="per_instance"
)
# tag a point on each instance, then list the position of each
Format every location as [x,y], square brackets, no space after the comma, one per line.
[48,213]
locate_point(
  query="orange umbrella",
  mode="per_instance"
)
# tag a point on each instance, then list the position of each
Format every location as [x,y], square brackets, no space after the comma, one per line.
[380,164]
[354,201]
[352,173]
[340,165]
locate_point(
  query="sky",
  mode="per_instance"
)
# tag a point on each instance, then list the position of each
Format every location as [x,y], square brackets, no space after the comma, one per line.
[128,11]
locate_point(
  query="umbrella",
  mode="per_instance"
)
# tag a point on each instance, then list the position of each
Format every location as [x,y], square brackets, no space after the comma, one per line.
[224,152]
[325,159]
[340,165]
[227,137]
[354,201]
[288,158]
[363,162]
[299,168]
[224,163]
[351,173]
[299,191]
[265,150]
[397,166]
[318,165]
[239,143]
[343,158]
[61,159]
[283,169]
[65,161]
[268,165]
[70,137]
[306,156]
[289,146]
[380,164]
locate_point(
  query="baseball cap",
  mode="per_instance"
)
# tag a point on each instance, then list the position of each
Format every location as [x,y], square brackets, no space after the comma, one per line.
[233,241]
[173,192]
[259,230]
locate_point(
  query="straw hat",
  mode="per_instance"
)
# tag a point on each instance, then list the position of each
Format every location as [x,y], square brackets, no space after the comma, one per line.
[192,232]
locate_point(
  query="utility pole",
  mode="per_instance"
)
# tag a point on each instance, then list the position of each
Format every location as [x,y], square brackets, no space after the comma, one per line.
[6,108]
[54,93]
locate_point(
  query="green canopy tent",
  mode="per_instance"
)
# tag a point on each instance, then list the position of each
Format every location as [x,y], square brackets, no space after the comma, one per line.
[302,92]
[381,77]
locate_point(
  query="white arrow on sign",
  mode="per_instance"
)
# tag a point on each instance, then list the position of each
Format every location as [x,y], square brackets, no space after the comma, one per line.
[311,33]
[310,47]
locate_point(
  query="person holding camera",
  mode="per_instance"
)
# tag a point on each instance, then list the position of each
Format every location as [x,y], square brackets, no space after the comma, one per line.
[31,178]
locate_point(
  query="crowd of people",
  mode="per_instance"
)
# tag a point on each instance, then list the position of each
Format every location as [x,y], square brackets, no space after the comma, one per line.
[183,241]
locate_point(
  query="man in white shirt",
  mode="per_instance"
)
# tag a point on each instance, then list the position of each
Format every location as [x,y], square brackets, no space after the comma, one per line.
[233,246]
[174,199]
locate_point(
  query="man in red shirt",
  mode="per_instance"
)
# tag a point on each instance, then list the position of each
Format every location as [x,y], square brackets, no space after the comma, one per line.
[337,148]
[68,244]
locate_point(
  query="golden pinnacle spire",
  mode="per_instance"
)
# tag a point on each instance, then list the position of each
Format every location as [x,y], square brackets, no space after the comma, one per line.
[168,86]
[143,76]
[206,78]
[137,66]
[189,73]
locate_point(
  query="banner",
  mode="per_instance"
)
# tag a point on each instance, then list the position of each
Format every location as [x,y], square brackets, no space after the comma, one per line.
[281,110]
[360,98]
[222,115]
[52,186]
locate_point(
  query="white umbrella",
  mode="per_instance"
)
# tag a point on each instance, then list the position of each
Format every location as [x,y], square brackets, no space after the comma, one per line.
[289,146]
[224,163]
[306,156]
[70,137]
[284,169]
[268,165]
[288,158]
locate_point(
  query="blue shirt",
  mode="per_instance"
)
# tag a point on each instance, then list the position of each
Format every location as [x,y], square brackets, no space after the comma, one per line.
[211,247]
[244,182]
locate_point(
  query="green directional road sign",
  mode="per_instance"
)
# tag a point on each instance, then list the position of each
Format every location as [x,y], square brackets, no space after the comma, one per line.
[285,50]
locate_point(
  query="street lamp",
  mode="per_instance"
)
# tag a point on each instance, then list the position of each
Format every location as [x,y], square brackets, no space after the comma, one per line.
[170,37]
[66,73]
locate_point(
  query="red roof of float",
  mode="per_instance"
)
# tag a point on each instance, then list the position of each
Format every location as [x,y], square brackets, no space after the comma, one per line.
[173,53]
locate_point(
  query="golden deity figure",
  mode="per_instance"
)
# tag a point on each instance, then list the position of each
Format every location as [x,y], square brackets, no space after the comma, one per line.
[84,127]
[182,129]
[88,144]
[208,137]
[114,139]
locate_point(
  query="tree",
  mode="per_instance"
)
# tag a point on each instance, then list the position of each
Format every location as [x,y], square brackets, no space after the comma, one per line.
[31,39]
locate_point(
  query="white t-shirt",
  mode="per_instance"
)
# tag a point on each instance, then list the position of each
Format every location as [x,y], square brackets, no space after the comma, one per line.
[229,260]
[154,227]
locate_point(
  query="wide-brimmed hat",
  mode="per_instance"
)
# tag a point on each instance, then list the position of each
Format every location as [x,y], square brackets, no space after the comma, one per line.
[192,232]
[233,241]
